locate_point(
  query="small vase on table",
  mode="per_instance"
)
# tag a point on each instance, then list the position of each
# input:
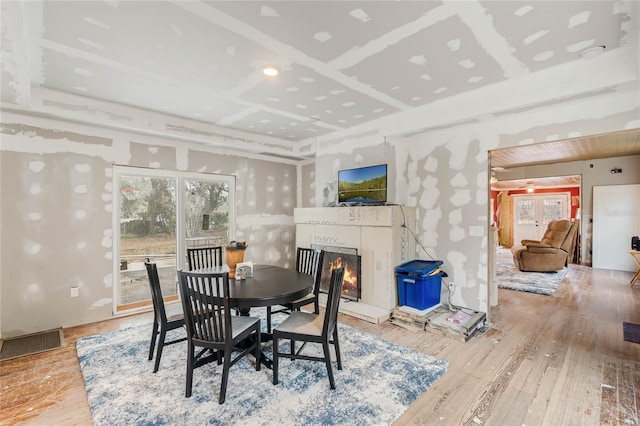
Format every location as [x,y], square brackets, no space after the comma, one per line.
[234,254]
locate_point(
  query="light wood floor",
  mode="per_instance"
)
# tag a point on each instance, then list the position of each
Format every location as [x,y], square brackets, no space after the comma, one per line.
[558,360]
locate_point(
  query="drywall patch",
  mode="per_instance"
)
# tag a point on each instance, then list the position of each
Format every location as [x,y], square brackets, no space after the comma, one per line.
[268,11]
[633,124]
[579,18]
[100,303]
[459,181]
[32,248]
[458,157]
[33,294]
[106,242]
[429,226]
[322,36]
[34,216]
[80,214]
[543,56]
[535,36]
[82,168]
[431,164]
[36,166]
[108,280]
[460,197]
[35,189]
[456,232]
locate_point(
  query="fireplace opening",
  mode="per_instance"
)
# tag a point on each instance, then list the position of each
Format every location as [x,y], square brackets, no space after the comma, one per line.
[351,288]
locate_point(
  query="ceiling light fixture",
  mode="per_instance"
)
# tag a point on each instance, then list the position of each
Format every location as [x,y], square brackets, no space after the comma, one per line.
[494,178]
[592,52]
[530,188]
[270,70]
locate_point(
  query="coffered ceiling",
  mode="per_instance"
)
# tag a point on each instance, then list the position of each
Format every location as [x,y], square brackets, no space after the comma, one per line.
[344,64]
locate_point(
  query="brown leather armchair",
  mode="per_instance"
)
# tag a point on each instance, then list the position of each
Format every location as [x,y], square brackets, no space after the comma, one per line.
[551,253]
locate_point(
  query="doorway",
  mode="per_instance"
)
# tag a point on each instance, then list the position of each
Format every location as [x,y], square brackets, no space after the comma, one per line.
[532,214]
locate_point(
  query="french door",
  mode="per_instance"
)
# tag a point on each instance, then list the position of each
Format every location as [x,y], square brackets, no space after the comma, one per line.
[534,212]
[159,214]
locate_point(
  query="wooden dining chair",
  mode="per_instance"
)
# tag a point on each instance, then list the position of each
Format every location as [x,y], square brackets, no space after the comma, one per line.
[308,261]
[309,327]
[210,325]
[204,257]
[165,318]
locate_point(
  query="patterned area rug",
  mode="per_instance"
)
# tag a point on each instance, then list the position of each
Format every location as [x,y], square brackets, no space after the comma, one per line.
[379,380]
[510,277]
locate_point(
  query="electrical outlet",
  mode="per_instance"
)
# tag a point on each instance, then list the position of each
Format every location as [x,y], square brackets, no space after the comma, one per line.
[75,292]
[451,287]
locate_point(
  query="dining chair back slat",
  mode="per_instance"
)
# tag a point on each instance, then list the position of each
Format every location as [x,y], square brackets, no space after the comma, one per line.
[210,325]
[308,261]
[309,327]
[204,257]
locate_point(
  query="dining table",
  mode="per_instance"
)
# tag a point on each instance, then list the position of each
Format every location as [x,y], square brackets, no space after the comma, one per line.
[268,286]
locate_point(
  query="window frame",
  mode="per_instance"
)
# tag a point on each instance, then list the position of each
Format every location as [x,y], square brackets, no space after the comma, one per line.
[179,176]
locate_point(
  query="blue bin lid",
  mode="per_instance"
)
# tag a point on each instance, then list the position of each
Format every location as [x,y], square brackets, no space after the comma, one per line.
[418,267]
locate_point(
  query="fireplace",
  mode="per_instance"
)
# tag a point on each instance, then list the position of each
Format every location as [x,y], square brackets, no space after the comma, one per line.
[334,259]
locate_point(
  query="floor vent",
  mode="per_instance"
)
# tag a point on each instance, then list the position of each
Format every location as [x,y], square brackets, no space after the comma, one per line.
[31,344]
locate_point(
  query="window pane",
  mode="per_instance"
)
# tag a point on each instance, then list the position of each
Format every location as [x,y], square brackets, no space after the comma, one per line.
[147,229]
[526,212]
[206,213]
[551,210]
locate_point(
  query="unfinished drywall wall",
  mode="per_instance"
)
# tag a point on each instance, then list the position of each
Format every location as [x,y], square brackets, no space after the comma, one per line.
[56,214]
[307,187]
[444,174]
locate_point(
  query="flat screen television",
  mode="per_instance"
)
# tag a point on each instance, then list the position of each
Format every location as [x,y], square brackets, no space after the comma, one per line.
[365,185]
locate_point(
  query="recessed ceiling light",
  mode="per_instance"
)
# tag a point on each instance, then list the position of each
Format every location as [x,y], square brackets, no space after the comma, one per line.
[592,52]
[270,70]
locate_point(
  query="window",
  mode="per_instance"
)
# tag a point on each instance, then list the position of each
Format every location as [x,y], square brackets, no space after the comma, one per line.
[159,214]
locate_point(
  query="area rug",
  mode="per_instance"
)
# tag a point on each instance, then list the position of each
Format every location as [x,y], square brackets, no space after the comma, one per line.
[510,277]
[379,380]
[631,332]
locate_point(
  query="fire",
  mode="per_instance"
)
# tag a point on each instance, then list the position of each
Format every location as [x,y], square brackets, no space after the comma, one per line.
[350,275]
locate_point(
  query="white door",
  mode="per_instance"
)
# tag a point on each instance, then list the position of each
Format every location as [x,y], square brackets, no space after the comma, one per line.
[534,212]
[616,218]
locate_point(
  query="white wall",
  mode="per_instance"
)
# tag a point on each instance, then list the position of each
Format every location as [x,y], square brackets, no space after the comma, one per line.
[444,174]
[56,214]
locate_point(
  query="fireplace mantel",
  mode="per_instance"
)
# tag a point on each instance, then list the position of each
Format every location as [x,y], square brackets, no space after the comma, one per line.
[377,232]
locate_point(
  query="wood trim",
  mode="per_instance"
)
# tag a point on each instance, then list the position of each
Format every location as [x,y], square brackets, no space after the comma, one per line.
[143,304]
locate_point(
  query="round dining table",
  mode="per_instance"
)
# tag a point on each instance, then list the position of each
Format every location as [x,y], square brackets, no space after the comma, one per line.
[269,285]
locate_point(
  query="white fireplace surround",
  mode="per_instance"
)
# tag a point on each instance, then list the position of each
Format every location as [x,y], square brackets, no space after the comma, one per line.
[382,239]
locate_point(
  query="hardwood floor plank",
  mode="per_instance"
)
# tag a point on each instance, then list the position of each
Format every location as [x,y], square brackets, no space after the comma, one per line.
[545,360]
[626,398]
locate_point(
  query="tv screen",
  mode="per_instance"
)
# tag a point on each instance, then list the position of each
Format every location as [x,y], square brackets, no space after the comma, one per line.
[363,185]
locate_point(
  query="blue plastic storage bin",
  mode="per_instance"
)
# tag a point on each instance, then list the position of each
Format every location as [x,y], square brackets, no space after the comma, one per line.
[417,288]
